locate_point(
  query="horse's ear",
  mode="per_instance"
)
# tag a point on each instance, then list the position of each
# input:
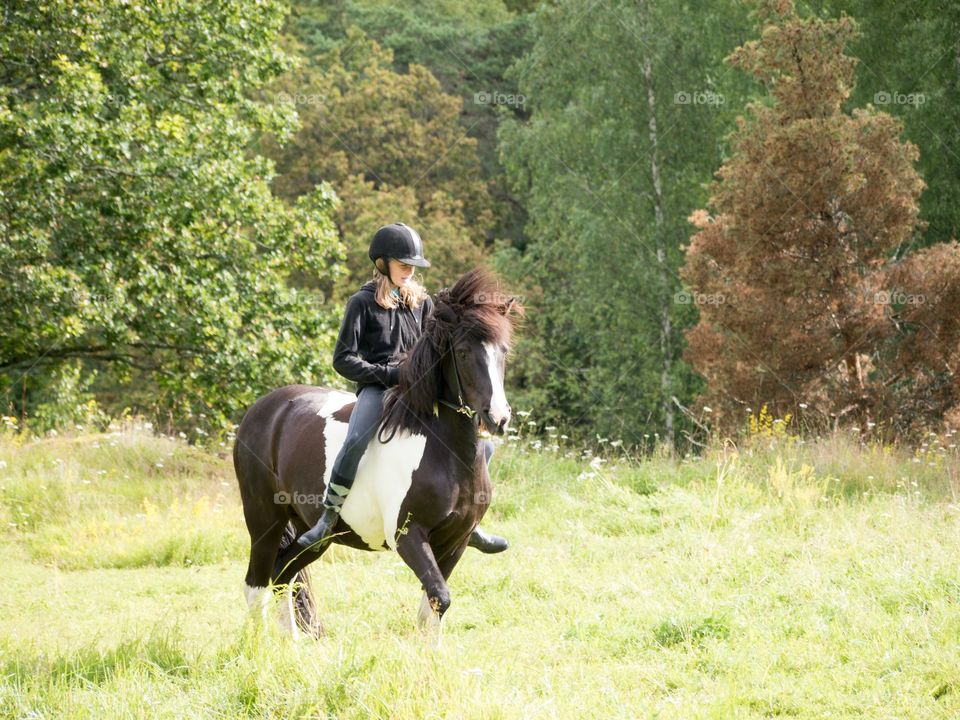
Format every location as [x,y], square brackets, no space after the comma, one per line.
[444,313]
[511,304]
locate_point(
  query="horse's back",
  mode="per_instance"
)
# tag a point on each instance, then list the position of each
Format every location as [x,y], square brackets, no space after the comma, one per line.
[268,423]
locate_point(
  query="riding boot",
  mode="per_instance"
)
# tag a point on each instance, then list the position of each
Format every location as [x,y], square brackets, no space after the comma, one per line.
[317,537]
[488,544]
[337,488]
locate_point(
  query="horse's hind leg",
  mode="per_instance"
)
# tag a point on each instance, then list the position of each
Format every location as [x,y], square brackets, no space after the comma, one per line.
[264,542]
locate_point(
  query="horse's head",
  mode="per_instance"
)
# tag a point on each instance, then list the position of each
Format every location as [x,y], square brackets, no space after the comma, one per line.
[461,357]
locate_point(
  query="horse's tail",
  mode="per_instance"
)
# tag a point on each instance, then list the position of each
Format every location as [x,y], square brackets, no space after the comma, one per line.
[304,604]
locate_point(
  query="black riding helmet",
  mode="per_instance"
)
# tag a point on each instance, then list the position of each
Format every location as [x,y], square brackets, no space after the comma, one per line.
[400,242]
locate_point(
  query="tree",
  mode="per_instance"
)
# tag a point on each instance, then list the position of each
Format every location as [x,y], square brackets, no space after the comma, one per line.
[811,204]
[468,47]
[909,56]
[917,386]
[139,235]
[391,146]
[609,165]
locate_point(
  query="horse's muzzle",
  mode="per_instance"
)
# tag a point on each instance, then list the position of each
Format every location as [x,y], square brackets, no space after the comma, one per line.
[494,426]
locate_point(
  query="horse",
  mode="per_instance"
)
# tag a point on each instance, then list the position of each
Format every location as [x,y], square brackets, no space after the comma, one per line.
[422,484]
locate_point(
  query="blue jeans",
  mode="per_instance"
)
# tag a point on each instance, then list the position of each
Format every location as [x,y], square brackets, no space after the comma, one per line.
[364,421]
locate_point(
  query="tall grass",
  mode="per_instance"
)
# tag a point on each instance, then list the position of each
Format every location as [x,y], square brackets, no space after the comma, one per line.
[121,499]
[771,578]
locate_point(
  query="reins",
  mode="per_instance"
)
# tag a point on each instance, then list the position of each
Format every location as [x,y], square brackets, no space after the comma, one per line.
[461,407]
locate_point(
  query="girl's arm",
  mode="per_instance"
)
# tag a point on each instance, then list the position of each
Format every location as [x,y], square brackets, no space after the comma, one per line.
[346,353]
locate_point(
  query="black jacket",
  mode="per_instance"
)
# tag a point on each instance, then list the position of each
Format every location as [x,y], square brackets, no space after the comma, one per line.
[372,338]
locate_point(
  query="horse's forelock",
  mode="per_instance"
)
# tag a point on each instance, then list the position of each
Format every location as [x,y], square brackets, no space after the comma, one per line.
[475,306]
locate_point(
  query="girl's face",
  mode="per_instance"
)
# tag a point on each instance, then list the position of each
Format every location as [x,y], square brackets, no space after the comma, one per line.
[400,273]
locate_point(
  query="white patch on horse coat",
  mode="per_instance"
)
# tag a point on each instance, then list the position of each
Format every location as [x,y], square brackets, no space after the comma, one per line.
[383,477]
[334,435]
[258,598]
[288,621]
[336,399]
[499,408]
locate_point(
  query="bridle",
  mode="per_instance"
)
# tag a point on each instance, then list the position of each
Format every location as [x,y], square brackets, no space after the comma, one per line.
[463,408]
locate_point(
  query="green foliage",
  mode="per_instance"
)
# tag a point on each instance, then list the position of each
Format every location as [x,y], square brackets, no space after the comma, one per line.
[139,235]
[466,47]
[66,400]
[599,267]
[120,499]
[392,147]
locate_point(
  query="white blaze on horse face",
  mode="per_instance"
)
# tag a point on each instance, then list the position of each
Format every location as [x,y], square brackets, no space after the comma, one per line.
[499,408]
[384,476]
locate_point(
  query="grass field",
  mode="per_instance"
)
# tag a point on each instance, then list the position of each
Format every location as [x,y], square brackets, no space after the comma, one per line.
[784,580]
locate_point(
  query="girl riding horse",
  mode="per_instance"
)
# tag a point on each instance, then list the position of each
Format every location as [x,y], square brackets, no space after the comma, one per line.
[381,323]
[422,484]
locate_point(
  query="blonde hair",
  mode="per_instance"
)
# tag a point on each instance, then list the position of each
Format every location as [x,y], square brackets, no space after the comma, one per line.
[411,295]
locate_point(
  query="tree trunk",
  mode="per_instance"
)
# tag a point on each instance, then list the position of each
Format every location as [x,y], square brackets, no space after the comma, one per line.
[665,294]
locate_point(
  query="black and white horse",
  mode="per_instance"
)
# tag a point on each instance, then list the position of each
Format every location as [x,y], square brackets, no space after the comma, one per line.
[422,484]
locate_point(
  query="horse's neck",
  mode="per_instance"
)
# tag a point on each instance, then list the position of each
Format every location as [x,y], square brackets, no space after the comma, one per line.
[458,433]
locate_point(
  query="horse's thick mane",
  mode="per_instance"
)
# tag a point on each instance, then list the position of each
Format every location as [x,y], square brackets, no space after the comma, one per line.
[474,307]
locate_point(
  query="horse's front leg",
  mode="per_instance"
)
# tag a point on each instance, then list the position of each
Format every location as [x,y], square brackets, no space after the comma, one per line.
[414,548]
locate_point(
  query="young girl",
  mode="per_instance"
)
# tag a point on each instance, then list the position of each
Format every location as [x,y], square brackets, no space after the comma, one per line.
[381,323]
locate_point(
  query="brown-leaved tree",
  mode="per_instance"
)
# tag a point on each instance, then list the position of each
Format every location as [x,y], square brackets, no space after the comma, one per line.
[787,266]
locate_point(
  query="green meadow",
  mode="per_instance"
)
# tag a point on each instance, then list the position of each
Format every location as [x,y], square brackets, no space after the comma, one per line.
[773,579]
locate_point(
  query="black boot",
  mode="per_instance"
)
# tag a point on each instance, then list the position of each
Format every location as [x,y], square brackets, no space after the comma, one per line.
[487,543]
[317,537]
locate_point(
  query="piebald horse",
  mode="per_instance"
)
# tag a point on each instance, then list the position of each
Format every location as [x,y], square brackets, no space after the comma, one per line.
[422,484]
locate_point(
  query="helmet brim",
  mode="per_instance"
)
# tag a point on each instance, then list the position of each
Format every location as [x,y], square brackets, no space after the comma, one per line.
[415,261]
